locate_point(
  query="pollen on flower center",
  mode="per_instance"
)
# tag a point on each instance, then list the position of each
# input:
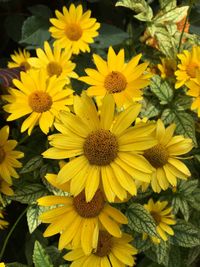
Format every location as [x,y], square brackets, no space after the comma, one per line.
[53,68]
[40,101]
[2,155]
[157,156]
[25,65]
[156,217]
[89,209]
[115,82]
[73,32]
[100,147]
[104,244]
[192,70]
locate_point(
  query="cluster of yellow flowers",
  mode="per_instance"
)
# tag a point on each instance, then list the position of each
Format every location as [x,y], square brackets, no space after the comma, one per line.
[110,157]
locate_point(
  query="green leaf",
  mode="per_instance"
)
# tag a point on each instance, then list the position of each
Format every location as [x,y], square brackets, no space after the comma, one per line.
[183,102]
[29,193]
[167,116]
[32,164]
[185,234]
[187,187]
[193,255]
[174,257]
[32,215]
[167,4]
[162,90]
[40,257]
[165,41]
[141,244]
[140,220]
[162,253]
[40,11]
[15,264]
[173,15]
[180,203]
[150,108]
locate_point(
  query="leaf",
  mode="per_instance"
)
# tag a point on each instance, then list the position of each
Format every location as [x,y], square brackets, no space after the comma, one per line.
[150,108]
[162,253]
[174,257]
[140,220]
[32,164]
[141,244]
[109,35]
[41,11]
[187,187]
[183,102]
[15,264]
[167,116]
[185,234]
[13,26]
[174,15]
[162,90]
[32,215]
[192,255]
[29,193]
[40,257]
[164,40]
[167,4]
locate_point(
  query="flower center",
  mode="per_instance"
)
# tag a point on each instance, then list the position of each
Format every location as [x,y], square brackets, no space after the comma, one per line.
[115,82]
[2,155]
[73,32]
[157,156]
[25,65]
[53,68]
[40,101]
[104,244]
[100,147]
[192,70]
[156,217]
[89,209]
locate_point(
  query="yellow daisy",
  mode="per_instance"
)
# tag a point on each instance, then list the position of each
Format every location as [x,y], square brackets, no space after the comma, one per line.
[73,29]
[163,217]
[123,80]
[194,91]
[20,59]
[111,251]
[55,62]
[78,221]
[39,97]
[5,188]
[2,264]
[167,68]
[189,67]
[3,223]
[164,157]
[104,152]
[8,156]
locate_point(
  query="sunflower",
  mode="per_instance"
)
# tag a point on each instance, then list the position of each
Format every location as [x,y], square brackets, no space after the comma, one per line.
[5,188]
[106,153]
[189,67]
[163,217]
[194,91]
[55,62]
[73,29]
[39,97]
[111,251]
[78,221]
[3,223]
[167,68]
[164,157]
[20,59]
[8,157]
[123,81]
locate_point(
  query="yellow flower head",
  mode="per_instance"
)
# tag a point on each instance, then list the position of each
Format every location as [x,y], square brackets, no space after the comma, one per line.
[123,80]
[167,68]
[164,157]
[78,221]
[3,223]
[111,251]
[20,59]
[55,62]
[2,264]
[163,217]
[189,67]
[8,159]
[73,29]
[39,97]
[106,149]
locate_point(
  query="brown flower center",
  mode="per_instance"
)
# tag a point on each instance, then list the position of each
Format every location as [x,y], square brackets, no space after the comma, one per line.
[25,65]
[40,101]
[2,155]
[104,244]
[89,209]
[192,70]
[157,156]
[73,32]
[156,217]
[115,82]
[100,147]
[53,68]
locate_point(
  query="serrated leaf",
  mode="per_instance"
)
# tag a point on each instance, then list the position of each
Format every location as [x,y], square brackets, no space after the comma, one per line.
[150,108]
[184,208]
[185,234]
[29,193]
[33,213]
[32,164]
[187,187]
[167,116]
[162,90]
[174,257]
[192,255]
[162,253]
[167,4]
[183,102]
[140,220]
[141,244]
[40,257]
[174,15]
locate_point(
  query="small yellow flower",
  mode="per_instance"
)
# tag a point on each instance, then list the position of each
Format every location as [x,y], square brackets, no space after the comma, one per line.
[20,59]
[2,264]
[167,68]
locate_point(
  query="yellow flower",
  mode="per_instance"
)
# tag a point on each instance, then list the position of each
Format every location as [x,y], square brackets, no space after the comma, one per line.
[164,157]
[189,67]
[20,59]
[78,221]
[5,188]
[3,223]
[167,68]
[163,217]
[106,153]
[2,264]
[8,156]
[55,62]
[123,80]
[194,91]
[39,97]
[73,29]
[111,251]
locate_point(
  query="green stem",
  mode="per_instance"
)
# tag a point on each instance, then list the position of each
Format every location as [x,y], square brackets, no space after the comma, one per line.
[10,233]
